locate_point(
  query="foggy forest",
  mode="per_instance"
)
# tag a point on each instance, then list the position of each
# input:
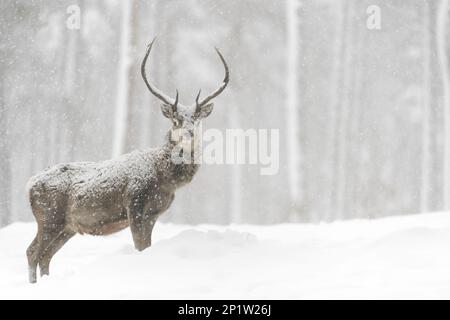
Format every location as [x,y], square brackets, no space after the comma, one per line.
[363,111]
[341,176]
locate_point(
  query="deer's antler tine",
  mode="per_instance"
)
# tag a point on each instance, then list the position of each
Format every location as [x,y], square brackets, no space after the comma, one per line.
[223,85]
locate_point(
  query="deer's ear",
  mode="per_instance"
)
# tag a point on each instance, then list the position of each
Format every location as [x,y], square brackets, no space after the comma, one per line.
[167,110]
[206,110]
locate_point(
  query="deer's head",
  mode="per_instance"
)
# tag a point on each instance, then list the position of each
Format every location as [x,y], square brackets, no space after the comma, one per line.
[185,119]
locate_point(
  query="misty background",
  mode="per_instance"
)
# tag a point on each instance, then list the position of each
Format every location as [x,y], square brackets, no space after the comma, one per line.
[363,113]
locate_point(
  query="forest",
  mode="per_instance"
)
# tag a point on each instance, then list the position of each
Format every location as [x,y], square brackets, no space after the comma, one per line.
[359,91]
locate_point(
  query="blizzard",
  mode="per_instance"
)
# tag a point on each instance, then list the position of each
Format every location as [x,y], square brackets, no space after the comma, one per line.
[400,257]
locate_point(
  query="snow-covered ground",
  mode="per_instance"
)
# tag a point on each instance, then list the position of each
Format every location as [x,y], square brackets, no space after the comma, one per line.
[396,257]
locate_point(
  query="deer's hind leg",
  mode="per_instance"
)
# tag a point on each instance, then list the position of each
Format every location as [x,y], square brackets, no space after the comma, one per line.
[33,251]
[47,253]
[32,255]
[46,243]
[51,236]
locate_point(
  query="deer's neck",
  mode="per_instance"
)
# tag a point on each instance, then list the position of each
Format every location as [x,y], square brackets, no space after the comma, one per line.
[181,174]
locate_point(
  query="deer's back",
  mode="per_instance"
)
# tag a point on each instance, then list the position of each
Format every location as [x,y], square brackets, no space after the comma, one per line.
[91,194]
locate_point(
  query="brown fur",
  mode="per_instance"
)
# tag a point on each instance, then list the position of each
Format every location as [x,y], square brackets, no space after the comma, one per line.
[101,198]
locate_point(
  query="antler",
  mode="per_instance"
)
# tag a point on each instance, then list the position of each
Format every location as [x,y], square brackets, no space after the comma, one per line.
[154,90]
[199,104]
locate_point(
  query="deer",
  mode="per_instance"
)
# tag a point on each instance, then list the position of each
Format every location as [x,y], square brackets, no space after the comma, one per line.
[133,190]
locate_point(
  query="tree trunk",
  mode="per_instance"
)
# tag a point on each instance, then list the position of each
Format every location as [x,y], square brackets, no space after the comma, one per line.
[342,149]
[426,104]
[334,107]
[293,104]
[73,90]
[5,170]
[354,176]
[436,118]
[441,32]
[123,84]
[133,114]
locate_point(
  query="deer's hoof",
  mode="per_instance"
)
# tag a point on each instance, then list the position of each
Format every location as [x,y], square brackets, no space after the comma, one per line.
[45,272]
[142,247]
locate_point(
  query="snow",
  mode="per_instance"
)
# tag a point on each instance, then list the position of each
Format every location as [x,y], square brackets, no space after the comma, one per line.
[395,257]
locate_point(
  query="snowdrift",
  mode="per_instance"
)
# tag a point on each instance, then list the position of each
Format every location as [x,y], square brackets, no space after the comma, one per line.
[396,257]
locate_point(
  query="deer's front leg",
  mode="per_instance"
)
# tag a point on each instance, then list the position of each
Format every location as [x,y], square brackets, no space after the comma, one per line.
[141,225]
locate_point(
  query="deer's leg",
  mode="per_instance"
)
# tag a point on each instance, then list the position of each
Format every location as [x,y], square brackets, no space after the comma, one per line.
[32,255]
[46,237]
[148,229]
[141,225]
[34,248]
[53,247]
[51,222]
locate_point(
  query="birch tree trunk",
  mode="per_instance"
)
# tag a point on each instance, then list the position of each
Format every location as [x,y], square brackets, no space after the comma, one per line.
[293,104]
[5,169]
[66,125]
[441,33]
[436,117]
[134,77]
[426,104]
[334,108]
[355,176]
[123,83]
[341,178]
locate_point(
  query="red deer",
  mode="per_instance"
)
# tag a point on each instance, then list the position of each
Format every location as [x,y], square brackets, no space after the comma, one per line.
[100,198]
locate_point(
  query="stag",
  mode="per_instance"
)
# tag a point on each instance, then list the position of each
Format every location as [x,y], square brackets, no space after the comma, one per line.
[101,198]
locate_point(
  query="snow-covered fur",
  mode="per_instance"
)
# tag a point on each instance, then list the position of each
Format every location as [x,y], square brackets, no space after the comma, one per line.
[100,198]
[104,197]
